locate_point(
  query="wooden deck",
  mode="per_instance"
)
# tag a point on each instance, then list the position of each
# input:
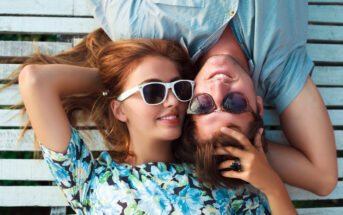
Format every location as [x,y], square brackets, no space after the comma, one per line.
[71,19]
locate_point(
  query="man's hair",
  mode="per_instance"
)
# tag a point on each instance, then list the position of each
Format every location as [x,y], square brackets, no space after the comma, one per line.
[201,152]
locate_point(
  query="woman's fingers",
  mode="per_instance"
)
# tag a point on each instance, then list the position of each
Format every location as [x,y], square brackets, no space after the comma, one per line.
[230,150]
[228,164]
[233,174]
[238,136]
[258,140]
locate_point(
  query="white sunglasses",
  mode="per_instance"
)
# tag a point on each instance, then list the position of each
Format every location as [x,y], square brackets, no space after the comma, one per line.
[155,93]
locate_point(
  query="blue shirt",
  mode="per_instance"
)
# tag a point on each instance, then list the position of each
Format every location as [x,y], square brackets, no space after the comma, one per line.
[271,33]
[101,186]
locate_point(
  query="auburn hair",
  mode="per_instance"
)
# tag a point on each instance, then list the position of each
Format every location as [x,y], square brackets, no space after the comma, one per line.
[115,61]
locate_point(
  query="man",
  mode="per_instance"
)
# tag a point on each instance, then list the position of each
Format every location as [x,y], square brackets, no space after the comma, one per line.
[265,37]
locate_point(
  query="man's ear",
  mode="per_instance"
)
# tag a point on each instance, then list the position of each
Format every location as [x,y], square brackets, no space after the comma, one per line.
[259,102]
[117,110]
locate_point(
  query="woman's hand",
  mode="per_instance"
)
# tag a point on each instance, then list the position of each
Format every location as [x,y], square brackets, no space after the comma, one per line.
[256,170]
[255,166]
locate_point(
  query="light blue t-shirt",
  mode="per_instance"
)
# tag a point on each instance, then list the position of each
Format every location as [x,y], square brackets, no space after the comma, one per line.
[271,33]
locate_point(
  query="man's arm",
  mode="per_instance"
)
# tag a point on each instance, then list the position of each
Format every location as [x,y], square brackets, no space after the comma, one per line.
[312,162]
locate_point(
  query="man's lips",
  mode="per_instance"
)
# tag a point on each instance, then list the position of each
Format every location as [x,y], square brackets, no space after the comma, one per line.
[220,74]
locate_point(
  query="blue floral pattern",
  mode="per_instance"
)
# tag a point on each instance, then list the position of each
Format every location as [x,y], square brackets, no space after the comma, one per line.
[101,186]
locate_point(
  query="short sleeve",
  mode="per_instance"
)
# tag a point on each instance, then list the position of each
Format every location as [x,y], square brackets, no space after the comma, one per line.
[72,170]
[276,42]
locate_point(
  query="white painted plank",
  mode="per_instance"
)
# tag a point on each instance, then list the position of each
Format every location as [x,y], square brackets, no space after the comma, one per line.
[24,169]
[6,69]
[37,170]
[321,211]
[9,140]
[325,52]
[325,32]
[331,96]
[326,1]
[328,75]
[318,52]
[72,25]
[279,137]
[326,13]
[38,7]
[25,48]
[31,196]
[300,194]
[8,118]
[77,25]
[271,118]
[10,95]
[81,8]
[47,25]
[322,75]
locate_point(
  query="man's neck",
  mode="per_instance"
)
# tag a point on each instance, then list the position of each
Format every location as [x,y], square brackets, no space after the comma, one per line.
[228,45]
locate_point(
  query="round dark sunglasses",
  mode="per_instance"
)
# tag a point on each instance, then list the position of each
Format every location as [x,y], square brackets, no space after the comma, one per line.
[233,102]
[155,93]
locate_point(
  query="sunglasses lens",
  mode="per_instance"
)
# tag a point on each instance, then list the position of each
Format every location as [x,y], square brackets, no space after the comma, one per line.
[154,93]
[235,103]
[183,90]
[202,104]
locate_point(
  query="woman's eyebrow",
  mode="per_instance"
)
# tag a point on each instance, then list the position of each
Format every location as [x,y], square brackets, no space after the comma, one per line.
[158,80]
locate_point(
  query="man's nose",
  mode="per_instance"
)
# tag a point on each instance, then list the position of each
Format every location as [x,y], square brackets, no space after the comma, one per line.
[218,91]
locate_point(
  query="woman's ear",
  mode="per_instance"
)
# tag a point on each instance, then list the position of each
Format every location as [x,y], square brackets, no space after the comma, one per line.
[117,110]
[259,102]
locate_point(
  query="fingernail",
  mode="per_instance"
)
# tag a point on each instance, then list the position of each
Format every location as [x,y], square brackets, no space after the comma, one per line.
[223,128]
[261,130]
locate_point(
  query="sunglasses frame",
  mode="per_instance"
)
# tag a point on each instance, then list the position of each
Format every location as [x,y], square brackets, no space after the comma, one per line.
[168,86]
[214,107]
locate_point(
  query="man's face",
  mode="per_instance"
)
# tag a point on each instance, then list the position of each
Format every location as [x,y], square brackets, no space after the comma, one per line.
[219,75]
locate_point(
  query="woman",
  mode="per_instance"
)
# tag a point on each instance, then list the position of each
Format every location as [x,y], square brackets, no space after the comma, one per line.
[139,117]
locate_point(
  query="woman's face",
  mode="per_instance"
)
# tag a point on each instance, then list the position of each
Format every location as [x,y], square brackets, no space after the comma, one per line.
[161,122]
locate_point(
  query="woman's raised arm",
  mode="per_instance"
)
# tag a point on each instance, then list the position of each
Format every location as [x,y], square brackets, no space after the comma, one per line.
[41,87]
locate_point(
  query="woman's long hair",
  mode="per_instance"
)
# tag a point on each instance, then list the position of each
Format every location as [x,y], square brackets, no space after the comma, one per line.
[115,61]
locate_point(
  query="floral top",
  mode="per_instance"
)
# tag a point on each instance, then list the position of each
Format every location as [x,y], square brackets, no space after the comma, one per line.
[101,186]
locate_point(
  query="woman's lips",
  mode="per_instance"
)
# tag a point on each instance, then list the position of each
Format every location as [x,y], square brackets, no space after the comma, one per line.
[171,118]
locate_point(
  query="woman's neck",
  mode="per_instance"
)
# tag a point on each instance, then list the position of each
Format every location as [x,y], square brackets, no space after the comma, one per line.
[150,151]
